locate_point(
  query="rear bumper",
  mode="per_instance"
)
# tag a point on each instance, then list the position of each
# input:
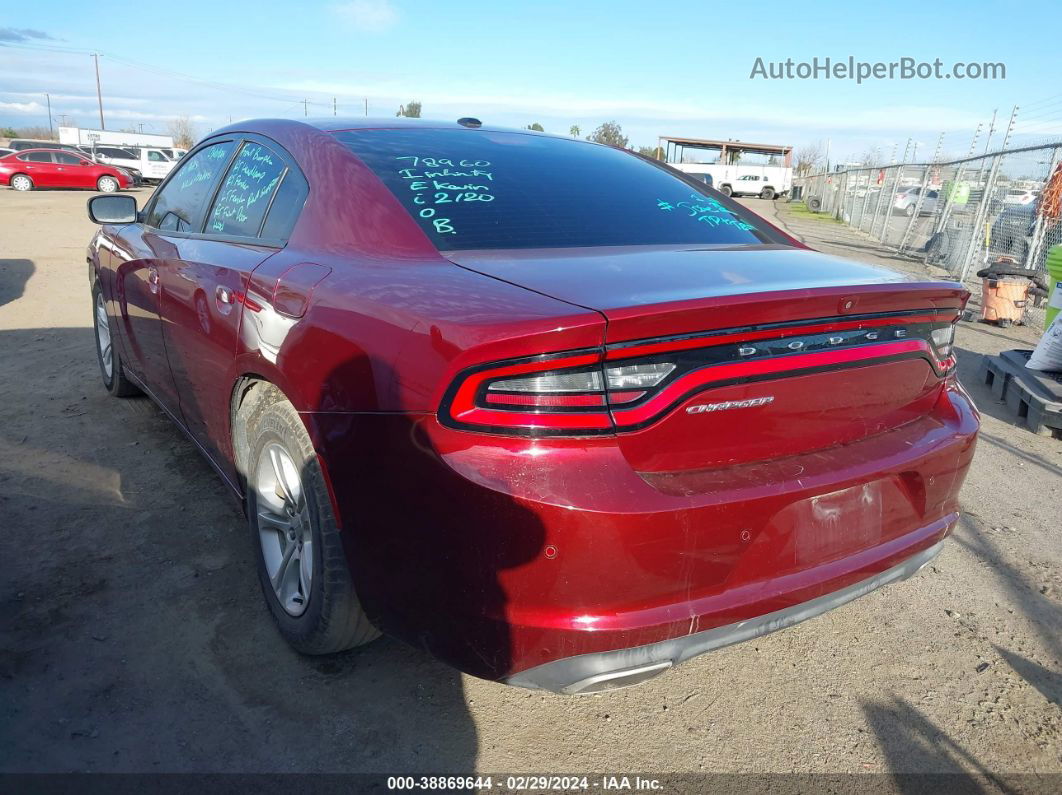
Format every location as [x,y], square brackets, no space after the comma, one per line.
[611,670]
[549,562]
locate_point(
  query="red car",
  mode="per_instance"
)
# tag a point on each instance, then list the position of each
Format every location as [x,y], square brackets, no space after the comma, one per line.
[550,410]
[54,168]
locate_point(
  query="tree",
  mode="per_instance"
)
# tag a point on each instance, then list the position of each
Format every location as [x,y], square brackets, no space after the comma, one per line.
[808,158]
[536,127]
[8,132]
[36,133]
[183,133]
[411,110]
[574,130]
[609,133]
[651,151]
[871,157]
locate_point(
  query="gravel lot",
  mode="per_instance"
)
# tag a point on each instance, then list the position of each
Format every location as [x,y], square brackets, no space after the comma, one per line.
[133,636]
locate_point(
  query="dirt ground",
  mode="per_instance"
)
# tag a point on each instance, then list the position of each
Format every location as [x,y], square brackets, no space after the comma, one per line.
[133,636]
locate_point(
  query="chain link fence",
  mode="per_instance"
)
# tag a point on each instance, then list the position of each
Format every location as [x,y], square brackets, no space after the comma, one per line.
[960,215]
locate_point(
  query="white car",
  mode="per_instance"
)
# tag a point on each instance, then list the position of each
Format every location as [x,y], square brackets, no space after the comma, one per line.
[1018,196]
[907,199]
[154,164]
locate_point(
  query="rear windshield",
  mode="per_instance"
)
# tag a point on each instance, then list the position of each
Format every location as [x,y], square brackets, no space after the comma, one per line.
[474,189]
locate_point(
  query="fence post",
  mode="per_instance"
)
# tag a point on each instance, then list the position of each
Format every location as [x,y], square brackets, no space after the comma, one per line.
[866,201]
[889,202]
[918,209]
[881,196]
[979,218]
[1032,255]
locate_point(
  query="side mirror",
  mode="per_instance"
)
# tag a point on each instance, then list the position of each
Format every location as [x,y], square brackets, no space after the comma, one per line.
[112,209]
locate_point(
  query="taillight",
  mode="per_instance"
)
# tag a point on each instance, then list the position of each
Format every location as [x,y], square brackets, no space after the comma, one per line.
[942,339]
[567,394]
[631,385]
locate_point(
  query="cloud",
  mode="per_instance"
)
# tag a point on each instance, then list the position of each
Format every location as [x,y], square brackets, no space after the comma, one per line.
[368,15]
[23,34]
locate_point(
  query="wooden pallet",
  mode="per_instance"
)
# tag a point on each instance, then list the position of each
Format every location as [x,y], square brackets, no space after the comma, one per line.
[1035,397]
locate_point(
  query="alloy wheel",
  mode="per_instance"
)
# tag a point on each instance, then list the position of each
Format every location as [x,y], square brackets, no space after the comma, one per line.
[107,185]
[285,528]
[103,337]
[21,182]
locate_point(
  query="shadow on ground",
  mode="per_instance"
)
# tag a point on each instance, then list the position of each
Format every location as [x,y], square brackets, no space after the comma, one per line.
[14,273]
[133,633]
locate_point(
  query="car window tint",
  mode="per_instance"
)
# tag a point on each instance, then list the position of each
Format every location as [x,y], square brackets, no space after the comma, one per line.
[67,159]
[286,206]
[480,189]
[244,195]
[37,157]
[157,157]
[182,200]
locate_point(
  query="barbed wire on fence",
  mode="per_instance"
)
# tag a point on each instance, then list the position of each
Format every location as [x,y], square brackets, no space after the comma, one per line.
[958,214]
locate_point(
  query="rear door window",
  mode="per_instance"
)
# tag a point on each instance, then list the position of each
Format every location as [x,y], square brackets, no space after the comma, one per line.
[37,157]
[181,202]
[246,193]
[479,189]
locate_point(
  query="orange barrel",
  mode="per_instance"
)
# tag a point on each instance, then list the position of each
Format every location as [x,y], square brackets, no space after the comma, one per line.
[1003,299]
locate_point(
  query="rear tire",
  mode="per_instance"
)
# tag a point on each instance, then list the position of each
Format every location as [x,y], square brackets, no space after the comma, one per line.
[767,193]
[302,567]
[21,182]
[909,211]
[111,370]
[107,184]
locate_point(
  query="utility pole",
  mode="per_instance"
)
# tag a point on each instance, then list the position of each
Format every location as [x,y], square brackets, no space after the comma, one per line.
[366,106]
[48,99]
[62,119]
[334,113]
[99,91]
[305,107]
[141,126]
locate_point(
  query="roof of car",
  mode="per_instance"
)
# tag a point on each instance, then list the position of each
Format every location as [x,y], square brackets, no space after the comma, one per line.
[338,123]
[49,151]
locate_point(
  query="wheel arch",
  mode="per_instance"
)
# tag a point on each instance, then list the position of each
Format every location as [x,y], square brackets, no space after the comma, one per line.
[249,390]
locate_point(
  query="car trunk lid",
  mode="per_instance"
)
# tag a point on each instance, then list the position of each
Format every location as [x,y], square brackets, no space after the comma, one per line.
[775,351]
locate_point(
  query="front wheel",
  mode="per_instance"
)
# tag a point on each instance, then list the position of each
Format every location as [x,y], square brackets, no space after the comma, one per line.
[21,182]
[909,211]
[107,184]
[767,193]
[726,190]
[301,562]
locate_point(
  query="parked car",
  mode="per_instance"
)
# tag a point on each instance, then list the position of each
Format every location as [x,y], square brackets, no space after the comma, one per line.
[112,155]
[534,404]
[1011,231]
[53,168]
[21,144]
[151,164]
[749,185]
[906,200]
[173,153]
[5,151]
[1020,197]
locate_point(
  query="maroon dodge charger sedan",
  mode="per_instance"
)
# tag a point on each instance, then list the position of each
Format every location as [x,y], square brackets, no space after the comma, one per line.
[550,410]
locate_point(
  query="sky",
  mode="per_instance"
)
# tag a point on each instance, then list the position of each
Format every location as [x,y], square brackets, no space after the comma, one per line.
[677,68]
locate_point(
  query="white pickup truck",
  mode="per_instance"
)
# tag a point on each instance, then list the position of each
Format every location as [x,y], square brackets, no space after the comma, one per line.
[153,164]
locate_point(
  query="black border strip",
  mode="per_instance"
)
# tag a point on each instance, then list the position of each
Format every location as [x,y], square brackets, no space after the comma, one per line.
[782,324]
